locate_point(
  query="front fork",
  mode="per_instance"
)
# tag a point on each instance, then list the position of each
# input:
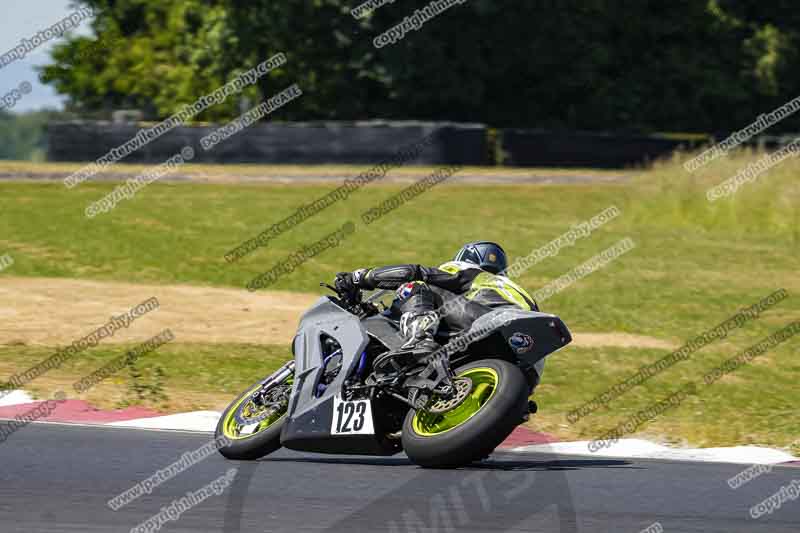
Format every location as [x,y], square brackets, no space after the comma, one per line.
[281,374]
[277,377]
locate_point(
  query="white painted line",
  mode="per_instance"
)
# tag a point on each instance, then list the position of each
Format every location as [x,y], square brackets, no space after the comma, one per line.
[202,421]
[206,422]
[643,449]
[16,397]
[103,425]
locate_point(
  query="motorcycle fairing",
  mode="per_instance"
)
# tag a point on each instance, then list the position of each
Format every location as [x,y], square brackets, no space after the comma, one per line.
[548,333]
[309,415]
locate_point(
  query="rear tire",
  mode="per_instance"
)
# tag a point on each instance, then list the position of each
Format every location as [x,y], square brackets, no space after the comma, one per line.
[476,437]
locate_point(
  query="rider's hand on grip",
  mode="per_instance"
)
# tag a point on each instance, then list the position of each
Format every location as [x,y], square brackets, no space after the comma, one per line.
[344,283]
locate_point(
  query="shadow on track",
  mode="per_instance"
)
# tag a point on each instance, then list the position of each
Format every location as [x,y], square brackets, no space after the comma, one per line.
[502,493]
[490,464]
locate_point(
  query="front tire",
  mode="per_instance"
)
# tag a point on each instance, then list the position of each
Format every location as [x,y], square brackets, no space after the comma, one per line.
[496,405]
[257,441]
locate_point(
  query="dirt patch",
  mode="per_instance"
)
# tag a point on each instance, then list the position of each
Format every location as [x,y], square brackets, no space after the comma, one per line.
[56,311]
[52,312]
[309,174]
[620,340]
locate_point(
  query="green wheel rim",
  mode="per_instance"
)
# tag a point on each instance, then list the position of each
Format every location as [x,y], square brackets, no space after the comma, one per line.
[484,385]
[232,429]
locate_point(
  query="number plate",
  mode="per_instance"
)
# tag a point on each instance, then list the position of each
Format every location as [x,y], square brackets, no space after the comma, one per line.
[352,418]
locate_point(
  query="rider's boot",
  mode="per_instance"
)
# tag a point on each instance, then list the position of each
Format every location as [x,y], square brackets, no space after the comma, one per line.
[417,329]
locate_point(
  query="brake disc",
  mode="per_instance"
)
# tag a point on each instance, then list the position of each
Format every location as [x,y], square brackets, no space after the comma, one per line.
[463,388]
[270,402]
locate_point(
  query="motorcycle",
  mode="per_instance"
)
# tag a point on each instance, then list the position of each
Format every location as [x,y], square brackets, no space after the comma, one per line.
[351,390]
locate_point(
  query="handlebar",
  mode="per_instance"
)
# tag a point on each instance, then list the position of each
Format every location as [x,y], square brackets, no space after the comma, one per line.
[352,302]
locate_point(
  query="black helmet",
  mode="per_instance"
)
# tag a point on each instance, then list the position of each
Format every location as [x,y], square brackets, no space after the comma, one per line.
[489,256]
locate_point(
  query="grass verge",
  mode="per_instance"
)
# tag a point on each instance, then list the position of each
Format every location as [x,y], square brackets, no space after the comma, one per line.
[175,377]
[695,265]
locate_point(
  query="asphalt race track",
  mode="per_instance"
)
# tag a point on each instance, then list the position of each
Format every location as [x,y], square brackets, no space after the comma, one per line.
[58,478]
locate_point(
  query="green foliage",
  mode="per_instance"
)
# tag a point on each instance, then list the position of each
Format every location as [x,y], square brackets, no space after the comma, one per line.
[22,135]
[686,65]
[145,385]
[159,55]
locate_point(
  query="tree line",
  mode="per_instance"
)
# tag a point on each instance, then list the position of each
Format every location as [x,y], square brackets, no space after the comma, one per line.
[610,65]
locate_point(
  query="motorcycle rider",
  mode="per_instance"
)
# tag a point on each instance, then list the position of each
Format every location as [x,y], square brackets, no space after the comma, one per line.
[474,278]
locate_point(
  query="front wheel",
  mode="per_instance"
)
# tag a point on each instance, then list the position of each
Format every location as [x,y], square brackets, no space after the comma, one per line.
[494,403]
[253,422]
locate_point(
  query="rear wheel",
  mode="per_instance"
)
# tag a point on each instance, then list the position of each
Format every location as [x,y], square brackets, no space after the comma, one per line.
[493,404]
[253,422]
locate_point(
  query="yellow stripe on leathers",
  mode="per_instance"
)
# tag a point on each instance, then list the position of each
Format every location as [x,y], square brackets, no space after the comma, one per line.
[502,285]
